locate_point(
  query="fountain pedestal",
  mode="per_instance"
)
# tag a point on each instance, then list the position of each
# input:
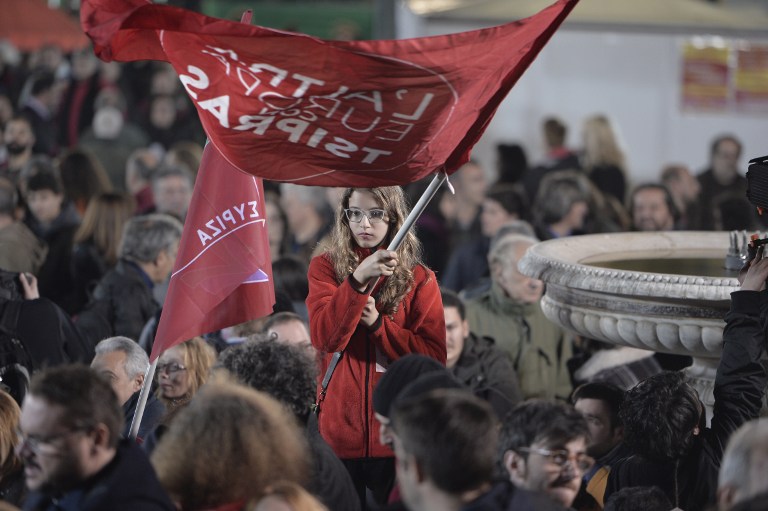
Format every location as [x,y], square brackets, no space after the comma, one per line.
[663,305]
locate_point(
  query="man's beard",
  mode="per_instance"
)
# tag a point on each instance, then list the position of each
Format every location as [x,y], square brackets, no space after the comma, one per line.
[15,148]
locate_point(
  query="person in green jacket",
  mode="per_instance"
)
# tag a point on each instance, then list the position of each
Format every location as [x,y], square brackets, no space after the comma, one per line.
[510,313]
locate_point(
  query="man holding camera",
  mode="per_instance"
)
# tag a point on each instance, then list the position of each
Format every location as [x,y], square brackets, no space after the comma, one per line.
[664,420]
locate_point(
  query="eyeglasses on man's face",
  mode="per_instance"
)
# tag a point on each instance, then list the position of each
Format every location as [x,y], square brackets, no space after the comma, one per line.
[170,368]
[374,216]
[44,445]
[561,457]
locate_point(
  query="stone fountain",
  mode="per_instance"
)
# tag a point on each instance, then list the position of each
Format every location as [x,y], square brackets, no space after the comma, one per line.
[661,291]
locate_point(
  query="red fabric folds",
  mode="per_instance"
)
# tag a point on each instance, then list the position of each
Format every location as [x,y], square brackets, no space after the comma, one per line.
[293,108]
[223,274]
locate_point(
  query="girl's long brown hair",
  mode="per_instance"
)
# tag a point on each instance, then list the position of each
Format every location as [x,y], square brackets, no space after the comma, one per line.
[342,245]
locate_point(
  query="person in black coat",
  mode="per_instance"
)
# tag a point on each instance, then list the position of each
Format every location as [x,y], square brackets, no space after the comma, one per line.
[122,301]
[47,333]
[53,220]
[665,422]
[125,363]
[72,452]
[40,109]
[476,361]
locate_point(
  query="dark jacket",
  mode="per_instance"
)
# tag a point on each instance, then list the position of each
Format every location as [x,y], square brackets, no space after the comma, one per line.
[564,160]
[504,496]
[610,180]
[153,414]
[55,275]
[713,194]
[13,489]
[47,333]
[88,268]
[330,481]
[467,264]
[489,373]
[122,304]
[127,483]
[739,387]
[346,415]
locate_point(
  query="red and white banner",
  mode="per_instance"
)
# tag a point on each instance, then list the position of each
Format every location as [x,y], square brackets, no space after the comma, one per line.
[223,274]
[293,108]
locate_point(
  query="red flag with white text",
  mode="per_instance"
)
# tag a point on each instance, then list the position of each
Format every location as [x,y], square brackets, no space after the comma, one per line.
[293,108]
[223,273]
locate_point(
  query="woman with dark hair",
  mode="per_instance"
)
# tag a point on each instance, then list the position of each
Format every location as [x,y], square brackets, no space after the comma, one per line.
[468,264]
[83,177]
[53,220]
[97,241]
[278,226]
[403,314]
[290,274]
[512,162]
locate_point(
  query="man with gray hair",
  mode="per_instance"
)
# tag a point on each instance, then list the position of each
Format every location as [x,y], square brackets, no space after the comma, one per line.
[510,314]
[122,301]
[744,466]
[124,363]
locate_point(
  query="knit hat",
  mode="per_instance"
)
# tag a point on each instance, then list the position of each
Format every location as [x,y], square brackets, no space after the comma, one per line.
[402,372]
[424,384]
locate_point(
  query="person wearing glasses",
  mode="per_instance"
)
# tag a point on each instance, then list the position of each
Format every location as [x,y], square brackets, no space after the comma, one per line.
[181,371]
[69,441]
[123,362]
[401,314]
[445,442]
[543,448]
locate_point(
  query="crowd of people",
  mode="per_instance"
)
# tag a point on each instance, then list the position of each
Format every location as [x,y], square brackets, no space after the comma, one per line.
[422,378]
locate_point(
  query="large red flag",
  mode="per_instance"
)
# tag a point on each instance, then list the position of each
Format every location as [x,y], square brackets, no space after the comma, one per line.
[290,107]
[222,275]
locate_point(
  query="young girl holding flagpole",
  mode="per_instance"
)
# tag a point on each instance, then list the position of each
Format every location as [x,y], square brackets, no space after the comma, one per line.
[402,314]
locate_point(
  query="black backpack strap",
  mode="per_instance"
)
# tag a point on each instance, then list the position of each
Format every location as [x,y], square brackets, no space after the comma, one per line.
[9,317]
[327,380]
[334,362]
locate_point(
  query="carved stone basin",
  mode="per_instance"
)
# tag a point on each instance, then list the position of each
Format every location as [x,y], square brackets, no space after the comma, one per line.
[665,291]
[591,291]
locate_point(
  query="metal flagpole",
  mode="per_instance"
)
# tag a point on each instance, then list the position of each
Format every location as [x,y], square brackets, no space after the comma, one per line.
[150,374]
[418,209]
[414,215]
[145,388]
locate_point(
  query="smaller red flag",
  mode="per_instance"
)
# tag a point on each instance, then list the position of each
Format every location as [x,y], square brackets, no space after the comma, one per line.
[223,273]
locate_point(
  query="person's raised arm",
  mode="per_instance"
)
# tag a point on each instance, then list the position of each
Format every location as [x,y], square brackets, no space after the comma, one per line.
[741,378]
